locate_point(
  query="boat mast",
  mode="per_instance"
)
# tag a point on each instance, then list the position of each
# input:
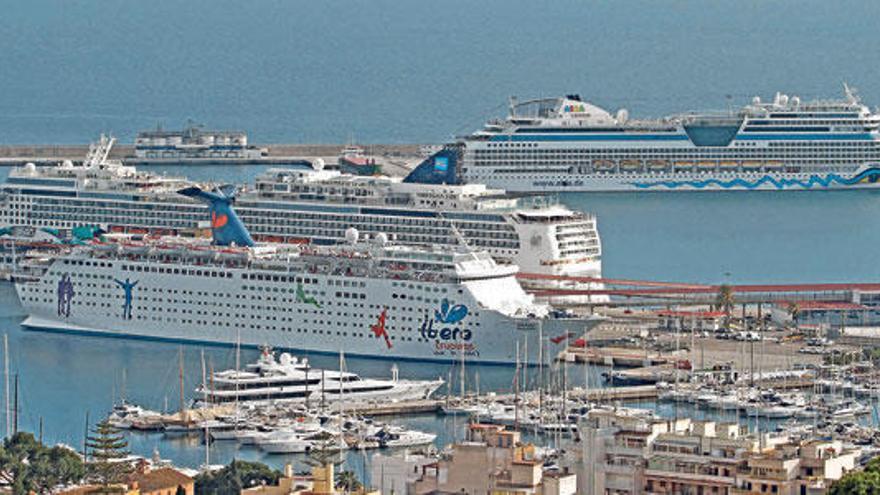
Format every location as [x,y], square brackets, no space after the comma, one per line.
[15,408]
[237,366]
[6,379]
[461,371]
[541,368]
[205,400]
[341,380]
[516,391]
[180,374]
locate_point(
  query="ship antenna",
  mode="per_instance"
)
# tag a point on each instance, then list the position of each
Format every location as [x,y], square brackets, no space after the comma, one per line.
[458,236]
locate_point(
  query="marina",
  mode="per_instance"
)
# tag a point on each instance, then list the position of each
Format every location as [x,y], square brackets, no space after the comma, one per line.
[420,249]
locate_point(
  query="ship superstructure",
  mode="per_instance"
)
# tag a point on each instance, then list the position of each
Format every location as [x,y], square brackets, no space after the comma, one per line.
[195,143]
[570,144]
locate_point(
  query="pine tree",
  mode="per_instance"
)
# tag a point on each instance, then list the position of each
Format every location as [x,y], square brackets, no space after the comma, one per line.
[107,447]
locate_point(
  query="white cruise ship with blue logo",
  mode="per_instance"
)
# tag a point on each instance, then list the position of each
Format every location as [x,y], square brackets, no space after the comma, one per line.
[369,298]
[570,144]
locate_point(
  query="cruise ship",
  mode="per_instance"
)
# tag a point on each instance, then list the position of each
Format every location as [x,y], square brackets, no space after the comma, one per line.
[570,144]
[194,144]
[370,298]
[309,204]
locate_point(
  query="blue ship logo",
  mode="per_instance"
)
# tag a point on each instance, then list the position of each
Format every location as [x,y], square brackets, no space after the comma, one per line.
[450,314]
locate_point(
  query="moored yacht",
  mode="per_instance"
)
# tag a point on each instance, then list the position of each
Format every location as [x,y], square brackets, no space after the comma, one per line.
[289,379]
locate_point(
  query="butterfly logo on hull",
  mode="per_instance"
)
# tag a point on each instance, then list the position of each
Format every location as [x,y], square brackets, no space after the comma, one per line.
[449,313]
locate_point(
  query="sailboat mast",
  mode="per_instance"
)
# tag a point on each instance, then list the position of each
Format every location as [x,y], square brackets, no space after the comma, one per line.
[6,379]
[180,374]
[204,380]
[341,380]
[541,367]
[516,391]
[15,408]
[461,383]
[237,367]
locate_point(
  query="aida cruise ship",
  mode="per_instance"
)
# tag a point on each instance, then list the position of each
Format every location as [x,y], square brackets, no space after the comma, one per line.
[309,205]
[569,144]
[363,297]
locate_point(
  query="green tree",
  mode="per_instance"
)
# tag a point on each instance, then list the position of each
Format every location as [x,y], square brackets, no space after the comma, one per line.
[56,466]
[28,466]
[107,449]
[232,478]
[865,482]
[347,481]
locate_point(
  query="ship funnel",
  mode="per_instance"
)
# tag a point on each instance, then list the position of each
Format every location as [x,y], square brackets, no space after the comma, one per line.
[226,228]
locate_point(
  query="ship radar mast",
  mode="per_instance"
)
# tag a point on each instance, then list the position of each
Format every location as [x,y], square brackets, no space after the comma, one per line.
[852,94]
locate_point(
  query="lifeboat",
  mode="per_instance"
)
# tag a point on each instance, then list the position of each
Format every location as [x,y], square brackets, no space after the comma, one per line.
[729,164]
[232,254]
[684,165]
[630,164]
[105,247]
[168,250]
[603,164]
[773,164]
[658,164]
[135,249]
[752,165]
[706,164]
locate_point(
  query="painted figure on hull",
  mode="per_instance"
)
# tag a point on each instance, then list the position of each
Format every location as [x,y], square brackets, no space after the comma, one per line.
[302,297]
[127,286]
[65,295]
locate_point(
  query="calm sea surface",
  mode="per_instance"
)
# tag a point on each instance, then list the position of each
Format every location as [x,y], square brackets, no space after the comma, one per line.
[391,71]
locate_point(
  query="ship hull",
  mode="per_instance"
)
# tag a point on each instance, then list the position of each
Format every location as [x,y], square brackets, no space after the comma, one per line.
[229,309]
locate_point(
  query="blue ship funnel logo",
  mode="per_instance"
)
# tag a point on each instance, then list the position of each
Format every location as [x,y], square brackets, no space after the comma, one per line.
[226,228]
[449,313]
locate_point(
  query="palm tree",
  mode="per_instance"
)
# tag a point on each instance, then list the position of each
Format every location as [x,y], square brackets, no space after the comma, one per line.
[794,310]
[725,301]
[347,481]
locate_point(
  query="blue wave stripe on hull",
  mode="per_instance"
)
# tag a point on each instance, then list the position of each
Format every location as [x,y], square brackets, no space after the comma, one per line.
[871,174]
